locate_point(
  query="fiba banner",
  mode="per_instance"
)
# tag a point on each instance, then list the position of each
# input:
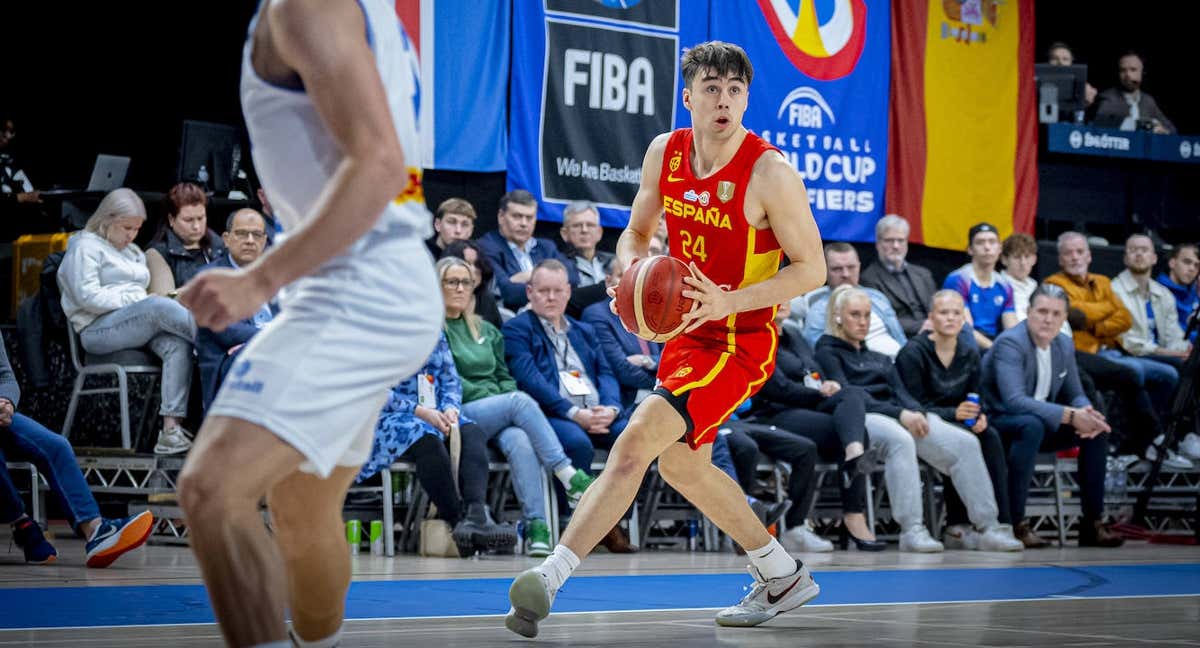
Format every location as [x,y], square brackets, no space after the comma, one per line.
[820,94]
[964,139]
[462,109]
[592,83]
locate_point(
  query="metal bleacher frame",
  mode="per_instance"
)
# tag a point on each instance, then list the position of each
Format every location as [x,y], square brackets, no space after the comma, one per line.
[37,489]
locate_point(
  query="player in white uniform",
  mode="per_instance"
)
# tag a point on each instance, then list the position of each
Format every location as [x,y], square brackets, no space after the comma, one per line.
[328,91]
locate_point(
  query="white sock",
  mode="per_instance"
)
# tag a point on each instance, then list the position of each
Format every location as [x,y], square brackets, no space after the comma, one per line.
[559,565]
[772,560]
[565,474]
[328,642]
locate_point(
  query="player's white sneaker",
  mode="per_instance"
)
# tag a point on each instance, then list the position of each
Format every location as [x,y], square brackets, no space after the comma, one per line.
[770,597]
[531,598]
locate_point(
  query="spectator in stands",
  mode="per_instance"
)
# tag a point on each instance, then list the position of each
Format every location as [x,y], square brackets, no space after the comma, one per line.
[24,439]
[633,361]
[245,239]
[1183,267]
[581,230]
[1128,107]
[15,186]
[1031,386]
[513,251]
[485,298]
[796,400]
[897,424]
[940,373]
[1155,332]
[885,334]
[507,417]
[1059,53]
[103,279]
[743,442]
[453,221]
[908,287]
[1018,253]
[183,244]
[416,421]
[988,296]
[658,246]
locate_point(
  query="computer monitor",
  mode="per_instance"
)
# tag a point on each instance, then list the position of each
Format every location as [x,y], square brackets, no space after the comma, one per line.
[216,147]
[1070,82]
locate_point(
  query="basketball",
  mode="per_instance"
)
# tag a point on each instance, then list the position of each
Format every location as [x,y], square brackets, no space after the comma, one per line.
[650,298]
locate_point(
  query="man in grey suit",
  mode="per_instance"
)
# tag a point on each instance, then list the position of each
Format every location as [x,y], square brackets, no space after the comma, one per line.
[1032,394]
[1127,107]
[909,287]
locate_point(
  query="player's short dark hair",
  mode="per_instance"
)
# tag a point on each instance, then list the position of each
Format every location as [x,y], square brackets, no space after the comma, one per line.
[725,59]
[454,206]
[518,196]
[1178,249]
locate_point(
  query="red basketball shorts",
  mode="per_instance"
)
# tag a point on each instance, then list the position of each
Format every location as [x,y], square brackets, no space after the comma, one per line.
[706,380]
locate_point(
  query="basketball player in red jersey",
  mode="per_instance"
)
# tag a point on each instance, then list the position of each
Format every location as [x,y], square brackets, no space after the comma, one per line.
[734,206]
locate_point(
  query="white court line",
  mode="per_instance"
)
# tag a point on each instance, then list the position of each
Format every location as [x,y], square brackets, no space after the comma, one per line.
[1051,597]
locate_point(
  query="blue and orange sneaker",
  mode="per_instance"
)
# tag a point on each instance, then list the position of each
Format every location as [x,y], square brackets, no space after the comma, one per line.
[28,536]
[116,536]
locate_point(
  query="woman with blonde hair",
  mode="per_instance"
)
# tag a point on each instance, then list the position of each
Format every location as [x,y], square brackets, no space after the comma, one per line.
[104,280]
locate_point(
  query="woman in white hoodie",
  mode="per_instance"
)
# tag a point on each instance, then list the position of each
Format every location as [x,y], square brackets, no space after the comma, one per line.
[103,279]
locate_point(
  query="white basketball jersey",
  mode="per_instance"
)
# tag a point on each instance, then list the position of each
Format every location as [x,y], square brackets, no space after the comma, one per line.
[293,151]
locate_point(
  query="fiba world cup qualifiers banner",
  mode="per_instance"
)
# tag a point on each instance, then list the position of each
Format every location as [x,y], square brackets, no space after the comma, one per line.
[592,83]
[820,94]
[964,139]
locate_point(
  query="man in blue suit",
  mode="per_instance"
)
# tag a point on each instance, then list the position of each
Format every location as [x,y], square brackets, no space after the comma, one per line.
[513,251]
[1032,393]
[556,360]
[633,360]
[245,237]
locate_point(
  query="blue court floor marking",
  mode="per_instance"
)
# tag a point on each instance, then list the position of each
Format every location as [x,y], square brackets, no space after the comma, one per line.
[58,607]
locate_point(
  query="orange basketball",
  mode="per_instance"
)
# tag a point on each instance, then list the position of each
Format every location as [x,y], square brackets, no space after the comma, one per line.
[650,298]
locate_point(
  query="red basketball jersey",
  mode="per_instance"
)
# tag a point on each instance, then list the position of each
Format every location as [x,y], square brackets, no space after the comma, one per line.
[706,225]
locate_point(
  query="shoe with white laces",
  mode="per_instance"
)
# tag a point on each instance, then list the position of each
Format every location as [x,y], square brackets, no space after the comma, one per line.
[172,441]
[803,539]
[1190,446]
[531,598]
[116,536]
[999,537]
[960,536]
[1174,460]
[770,597]
[917,540]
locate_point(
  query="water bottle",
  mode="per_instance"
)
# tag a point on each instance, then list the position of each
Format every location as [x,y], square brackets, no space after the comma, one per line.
[971,398]
[692,531]
[202,176]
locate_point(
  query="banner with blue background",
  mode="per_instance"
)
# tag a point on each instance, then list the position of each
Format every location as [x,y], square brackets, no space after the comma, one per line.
[820,94]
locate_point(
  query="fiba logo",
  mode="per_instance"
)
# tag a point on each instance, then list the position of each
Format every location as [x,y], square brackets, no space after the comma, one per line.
[823,39]
[811,114]
[1075,139]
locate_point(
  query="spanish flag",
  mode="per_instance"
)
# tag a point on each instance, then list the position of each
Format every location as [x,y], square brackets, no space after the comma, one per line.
[963,120]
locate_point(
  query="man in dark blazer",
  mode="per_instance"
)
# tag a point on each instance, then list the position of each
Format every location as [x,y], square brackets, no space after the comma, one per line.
[245,238]
[908,287]
[633,360]
[1126,106]
[513,251]
[1032,393]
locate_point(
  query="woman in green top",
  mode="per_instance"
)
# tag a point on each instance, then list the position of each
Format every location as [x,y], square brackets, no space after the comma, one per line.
[491,398]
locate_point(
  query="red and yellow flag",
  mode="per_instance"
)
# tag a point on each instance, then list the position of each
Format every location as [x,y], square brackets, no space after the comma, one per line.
[963,122]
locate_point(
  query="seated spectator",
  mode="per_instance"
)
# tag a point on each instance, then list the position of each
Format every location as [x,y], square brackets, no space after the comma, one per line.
[554,359]
[1031,386]
[581,230]
[24,439]
[885,334]
[988,297]
[633,361]
[15,187]
[485,298]
[414,425]
[908,287]
[183,244]
[245,239]
[507,417]
[513,251]
[940,373]
[1126,106]
[1018,253]
[453,221]
[897,424]
[1059,53]
[103,279]
[1183,266]
[736,451]
[1155,332]
[796,400]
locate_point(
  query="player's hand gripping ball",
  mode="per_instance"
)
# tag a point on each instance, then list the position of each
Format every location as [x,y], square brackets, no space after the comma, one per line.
[650,299]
